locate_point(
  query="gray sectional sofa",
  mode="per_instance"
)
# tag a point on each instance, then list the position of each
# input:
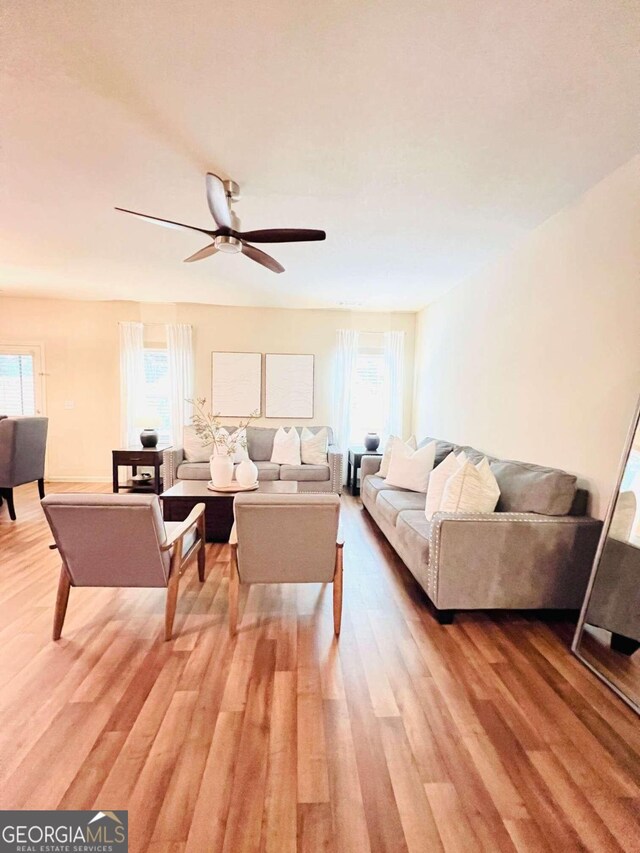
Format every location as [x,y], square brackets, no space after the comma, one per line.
[534,552]
[310,478]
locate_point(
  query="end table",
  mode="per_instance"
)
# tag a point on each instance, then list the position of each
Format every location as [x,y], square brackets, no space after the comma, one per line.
[133,457]
[354,458]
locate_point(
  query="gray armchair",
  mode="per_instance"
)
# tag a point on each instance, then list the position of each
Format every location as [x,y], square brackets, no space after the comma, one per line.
[285,539]
[23,442]
[121,541]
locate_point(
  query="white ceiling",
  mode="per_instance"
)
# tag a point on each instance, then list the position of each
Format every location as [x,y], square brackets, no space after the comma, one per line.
[425,137]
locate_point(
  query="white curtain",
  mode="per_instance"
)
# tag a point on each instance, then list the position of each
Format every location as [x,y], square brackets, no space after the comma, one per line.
[180,360]
[394,368]
[345,367]
[131,381]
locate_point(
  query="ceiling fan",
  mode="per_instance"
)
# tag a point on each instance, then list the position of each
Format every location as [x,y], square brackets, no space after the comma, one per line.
[228,237]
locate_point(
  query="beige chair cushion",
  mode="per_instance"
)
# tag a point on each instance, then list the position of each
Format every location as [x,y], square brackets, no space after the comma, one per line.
[109,540]
[286,538]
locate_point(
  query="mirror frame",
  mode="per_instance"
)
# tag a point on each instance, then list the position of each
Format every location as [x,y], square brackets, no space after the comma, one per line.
[596,562]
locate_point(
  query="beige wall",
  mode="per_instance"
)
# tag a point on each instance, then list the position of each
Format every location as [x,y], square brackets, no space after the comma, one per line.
[80,341]
[538,357]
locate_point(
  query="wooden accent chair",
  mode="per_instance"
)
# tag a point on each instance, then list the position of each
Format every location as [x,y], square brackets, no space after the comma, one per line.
[285,539]
[23,443]
[121,541]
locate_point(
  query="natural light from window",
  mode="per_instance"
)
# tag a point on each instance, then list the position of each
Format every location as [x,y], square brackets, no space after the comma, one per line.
[156,404]
[369,394]
[17,386]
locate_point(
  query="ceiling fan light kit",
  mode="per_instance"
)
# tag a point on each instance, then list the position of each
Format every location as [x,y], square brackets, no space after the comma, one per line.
[230,245]
[228,237]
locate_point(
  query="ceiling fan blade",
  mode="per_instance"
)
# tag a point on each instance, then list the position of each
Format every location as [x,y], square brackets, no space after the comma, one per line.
[166,222]
[262,258]
[282,235]
[203,253]
[217,199]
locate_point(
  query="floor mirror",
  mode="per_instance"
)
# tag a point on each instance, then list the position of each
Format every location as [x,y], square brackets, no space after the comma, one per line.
[607,639]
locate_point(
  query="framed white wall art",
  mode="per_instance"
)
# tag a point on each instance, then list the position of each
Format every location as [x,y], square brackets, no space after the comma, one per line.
[289,385]
[236,383]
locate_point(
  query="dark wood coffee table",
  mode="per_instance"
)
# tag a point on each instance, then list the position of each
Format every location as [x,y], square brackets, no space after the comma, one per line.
[179,500]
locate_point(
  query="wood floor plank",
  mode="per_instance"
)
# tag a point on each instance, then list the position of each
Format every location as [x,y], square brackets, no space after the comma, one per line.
[279,827]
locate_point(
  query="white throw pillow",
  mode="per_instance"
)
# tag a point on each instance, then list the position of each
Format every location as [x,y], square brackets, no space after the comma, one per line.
[472,488]
[286,447]
[438,480]
[313,448]
[386,456]
[194,449]
[409,468]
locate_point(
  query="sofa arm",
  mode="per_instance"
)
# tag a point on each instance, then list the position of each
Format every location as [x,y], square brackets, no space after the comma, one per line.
[369,465]
[171,458]
[510,560]
[334,458]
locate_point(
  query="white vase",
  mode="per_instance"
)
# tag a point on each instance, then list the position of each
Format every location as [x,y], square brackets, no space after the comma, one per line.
[221,470]
[246,473]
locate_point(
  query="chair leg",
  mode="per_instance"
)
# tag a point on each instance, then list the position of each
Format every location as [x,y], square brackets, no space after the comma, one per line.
[337,591]
[41,488]
[62,599]
[170,609]
[201,553]
[7,494]
[234,590]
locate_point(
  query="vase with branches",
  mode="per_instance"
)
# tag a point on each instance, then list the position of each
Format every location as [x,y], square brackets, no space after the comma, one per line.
[210,430]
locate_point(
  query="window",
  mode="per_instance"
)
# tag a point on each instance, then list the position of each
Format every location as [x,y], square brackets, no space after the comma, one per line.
[20,380]
[369,394]
[156,382]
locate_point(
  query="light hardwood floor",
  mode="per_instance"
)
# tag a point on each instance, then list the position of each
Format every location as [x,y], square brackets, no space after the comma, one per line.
[404,735]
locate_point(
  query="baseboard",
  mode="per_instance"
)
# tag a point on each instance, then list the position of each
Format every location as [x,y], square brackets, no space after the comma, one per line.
[77,479]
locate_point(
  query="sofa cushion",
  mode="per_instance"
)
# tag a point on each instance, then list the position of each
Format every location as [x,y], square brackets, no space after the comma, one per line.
[305,473]
[374,484]
[532,488]
[260,443]
[412,530]
[389,503]
[268,470]
[193,471]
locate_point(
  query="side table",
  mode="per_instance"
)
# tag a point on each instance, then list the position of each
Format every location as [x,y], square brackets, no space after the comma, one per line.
[354,458]
[133,457]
